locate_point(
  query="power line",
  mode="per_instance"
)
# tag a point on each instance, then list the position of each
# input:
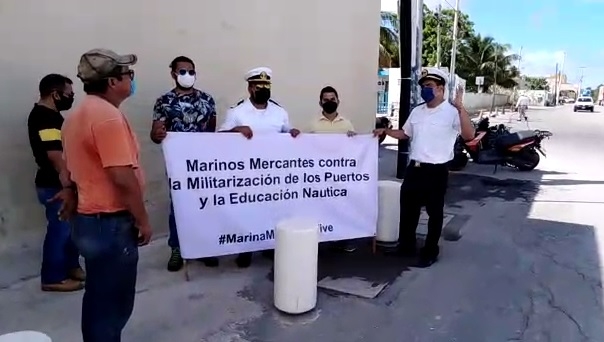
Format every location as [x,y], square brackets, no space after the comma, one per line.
[448,3]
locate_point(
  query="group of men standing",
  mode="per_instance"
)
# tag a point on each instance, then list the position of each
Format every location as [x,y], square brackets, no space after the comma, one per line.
[90,174]
[91,183]
[188,109]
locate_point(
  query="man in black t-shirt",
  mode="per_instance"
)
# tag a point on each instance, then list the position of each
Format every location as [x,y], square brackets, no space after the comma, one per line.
[61,269]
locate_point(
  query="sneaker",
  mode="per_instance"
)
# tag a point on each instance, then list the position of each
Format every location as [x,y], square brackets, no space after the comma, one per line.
[77,274]
[244,260]
[210,262]
[175,262]
[67,285]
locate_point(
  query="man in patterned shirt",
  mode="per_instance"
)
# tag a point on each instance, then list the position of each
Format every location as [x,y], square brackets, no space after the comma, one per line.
[182,109]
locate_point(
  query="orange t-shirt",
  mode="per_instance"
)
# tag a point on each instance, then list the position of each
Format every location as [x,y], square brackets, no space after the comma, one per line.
[97,136]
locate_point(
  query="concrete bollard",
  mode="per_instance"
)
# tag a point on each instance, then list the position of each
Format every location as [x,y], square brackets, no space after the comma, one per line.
[296,258]
[388,213]
[25,336]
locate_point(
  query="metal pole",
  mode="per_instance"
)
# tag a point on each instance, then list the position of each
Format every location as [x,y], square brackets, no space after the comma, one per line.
[405,33]
[556,85]
[559,81]
[494,83]
[438,52]
[454,46]
[515,91]
[580,82]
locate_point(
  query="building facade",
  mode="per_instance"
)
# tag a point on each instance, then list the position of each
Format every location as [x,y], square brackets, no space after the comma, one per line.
[225,38]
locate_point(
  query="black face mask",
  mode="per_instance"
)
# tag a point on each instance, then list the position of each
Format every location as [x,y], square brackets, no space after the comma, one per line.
[329,107]
[64,102]
[261,96]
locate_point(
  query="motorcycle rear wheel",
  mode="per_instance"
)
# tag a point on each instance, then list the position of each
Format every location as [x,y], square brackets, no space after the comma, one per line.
[527,160]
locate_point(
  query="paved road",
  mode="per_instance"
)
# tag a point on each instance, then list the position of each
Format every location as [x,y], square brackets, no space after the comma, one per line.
[527,268]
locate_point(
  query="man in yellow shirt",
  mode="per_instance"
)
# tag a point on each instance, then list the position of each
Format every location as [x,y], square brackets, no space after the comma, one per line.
[331,121]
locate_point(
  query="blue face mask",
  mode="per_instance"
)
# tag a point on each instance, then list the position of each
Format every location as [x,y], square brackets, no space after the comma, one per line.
[427,94]
[132,87]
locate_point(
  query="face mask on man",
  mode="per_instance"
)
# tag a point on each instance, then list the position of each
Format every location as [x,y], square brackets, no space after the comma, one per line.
[132,87]
[64,102]
[186,81]
[262,95]
[329,107]
[427,94]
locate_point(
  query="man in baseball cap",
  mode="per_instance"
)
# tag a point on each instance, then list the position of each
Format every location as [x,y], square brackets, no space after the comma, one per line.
[98,64]
[102,156]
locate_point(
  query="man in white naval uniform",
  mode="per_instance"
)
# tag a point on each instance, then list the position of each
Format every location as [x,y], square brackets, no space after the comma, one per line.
[432,128]
[258,114]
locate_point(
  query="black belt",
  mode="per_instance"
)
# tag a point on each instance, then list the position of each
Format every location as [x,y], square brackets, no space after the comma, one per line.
[121,213]
[415,163]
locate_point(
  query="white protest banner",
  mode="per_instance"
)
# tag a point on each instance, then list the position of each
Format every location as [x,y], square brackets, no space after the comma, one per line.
[229,192]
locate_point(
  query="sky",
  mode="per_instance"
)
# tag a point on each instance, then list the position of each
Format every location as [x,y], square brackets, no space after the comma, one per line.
[545,32]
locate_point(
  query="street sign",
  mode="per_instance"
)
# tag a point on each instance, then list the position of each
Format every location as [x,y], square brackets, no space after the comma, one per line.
[479,80]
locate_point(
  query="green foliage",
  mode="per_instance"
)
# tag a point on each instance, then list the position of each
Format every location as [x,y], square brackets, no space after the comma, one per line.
[430,32]
[536,83]
[594,92]
[389,51]
[477,55]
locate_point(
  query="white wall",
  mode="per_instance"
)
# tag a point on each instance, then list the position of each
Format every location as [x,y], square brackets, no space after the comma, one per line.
[305,44]
[472,101]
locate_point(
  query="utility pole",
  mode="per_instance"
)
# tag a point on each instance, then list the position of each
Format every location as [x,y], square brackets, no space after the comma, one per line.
[494,82]
[515,92]
[406,28]
[556,84]
[559,82]
[580,82]
[454,47]
[438,29]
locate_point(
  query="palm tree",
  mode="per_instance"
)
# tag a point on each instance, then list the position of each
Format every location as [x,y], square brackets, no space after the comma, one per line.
[482,56]
[389,51]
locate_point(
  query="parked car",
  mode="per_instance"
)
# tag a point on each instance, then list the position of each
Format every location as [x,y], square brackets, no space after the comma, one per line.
[584,103]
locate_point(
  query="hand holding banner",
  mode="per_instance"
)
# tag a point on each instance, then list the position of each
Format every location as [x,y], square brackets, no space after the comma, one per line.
[230,192]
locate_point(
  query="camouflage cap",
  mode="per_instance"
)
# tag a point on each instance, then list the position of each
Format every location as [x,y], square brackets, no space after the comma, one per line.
[98,64]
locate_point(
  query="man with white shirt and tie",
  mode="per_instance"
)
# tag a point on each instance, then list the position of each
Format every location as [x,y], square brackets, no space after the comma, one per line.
[432,129]
[258,114]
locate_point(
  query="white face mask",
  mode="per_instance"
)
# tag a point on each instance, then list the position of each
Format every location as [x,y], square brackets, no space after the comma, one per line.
[186,81]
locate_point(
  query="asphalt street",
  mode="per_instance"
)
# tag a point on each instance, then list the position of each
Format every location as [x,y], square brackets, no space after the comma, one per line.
[527,268]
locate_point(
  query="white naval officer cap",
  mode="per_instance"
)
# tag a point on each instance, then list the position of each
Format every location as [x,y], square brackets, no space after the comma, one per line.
[261,74]
[433,74]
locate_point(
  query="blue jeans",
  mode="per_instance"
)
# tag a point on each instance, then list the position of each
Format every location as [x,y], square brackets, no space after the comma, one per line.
[59,254]
[109,245]
[173,237]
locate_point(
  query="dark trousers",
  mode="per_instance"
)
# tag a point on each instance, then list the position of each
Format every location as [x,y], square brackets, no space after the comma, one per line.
[109,245]
[59,254]
[173,235]
[424,185]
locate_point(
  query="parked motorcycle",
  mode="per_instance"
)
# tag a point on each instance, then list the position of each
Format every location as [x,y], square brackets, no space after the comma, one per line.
[496,145]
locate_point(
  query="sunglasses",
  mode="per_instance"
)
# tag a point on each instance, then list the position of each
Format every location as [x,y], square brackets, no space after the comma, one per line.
[183,72]
[129,73]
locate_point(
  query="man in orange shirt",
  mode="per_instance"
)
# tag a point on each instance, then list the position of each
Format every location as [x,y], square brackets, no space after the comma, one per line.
[102,156]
